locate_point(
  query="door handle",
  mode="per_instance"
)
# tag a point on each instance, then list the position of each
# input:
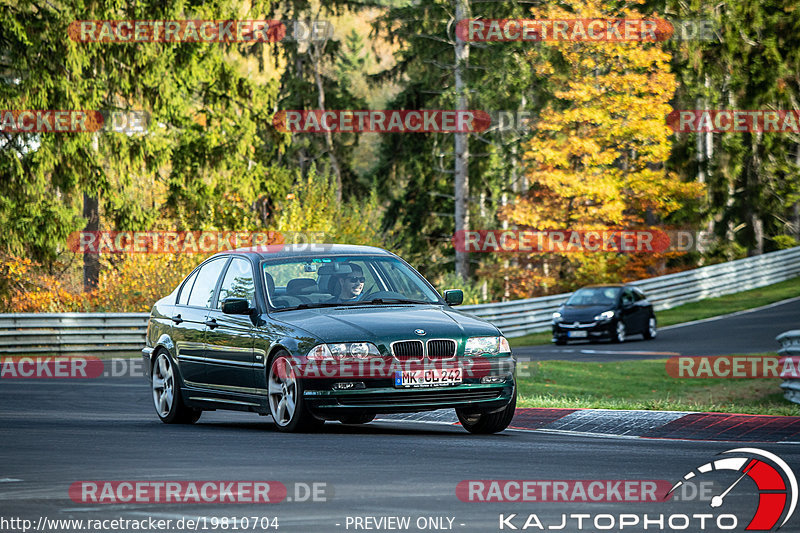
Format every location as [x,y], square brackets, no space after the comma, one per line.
[212,323]
[177,319]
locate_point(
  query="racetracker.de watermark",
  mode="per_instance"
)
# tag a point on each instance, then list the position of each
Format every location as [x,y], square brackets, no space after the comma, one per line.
[403,373]
[734,120]
[584,30]
[198,31]
[51,367]
[382,121]
[733,366]
[72,121]
[575,491]
[191,242]
[618,240]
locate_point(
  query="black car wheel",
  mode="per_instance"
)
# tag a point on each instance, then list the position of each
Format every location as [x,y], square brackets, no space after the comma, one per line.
[651,331]
[485,423]
[620,332]
[559,341]
[167,393]
[285,396]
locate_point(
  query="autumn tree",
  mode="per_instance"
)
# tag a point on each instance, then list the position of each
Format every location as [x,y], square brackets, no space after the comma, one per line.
[597,155]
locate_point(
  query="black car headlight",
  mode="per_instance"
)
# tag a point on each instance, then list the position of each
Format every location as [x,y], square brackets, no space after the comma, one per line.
[556,317]
[605,316]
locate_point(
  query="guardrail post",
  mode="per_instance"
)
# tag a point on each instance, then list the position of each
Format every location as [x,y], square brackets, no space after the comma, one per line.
[790,364]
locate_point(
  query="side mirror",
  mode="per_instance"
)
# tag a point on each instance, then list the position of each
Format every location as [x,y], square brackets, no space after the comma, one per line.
[454,297]
[235,306]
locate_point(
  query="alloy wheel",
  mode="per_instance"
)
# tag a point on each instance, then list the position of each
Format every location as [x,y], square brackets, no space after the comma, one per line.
[282,391]
[163,385]
[620,331]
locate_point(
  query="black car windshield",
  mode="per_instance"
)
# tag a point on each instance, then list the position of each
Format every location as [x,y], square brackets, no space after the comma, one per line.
[594,296]
[332,281]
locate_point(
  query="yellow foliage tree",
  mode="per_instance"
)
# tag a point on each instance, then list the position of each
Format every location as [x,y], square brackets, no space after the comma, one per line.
[597,154]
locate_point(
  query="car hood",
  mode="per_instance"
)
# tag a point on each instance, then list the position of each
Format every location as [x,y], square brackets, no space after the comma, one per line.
[582,313]
[384,324]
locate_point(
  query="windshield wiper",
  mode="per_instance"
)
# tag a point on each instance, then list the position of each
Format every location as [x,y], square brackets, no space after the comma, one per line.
[395,301]
[311,306]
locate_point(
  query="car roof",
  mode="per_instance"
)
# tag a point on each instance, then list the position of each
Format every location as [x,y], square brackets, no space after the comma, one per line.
[281,251]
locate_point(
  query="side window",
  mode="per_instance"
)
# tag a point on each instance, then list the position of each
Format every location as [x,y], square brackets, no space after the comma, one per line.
[238,282]
[206,282]
[638,295]
[183,297]
[627,297]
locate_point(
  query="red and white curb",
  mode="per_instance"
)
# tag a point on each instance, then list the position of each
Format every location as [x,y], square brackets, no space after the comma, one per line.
[641,424]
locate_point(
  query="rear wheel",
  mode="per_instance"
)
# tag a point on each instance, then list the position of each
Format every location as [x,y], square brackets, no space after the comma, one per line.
[285,396]
[167,397]
[651,331]
[485,423]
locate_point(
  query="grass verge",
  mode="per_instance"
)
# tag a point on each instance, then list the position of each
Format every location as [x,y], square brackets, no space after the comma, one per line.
[699,310]
[644,385]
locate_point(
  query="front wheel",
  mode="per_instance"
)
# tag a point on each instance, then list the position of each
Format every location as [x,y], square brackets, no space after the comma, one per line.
[619,332]
[167,394]
[485,423]
[651,331]
[286,403]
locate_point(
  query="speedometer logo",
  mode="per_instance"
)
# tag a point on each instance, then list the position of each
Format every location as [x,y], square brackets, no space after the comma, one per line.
[777,485]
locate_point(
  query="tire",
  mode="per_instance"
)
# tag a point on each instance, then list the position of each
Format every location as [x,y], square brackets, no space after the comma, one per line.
[167,397]
[652,330]
[559,342]
[285,396]
[363,418]
[620,332]
[486,423]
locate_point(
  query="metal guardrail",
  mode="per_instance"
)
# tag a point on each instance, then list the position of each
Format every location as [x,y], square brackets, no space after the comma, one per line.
[532,315]
[124,333]
[789,364]
[69,333]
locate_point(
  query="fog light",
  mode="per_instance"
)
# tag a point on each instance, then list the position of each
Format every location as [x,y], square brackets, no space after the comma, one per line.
[349,385]
[493,379]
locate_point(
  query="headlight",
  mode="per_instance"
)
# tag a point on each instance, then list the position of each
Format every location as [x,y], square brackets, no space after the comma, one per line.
[486,345]
[605,315]
[556,316]
[343,350]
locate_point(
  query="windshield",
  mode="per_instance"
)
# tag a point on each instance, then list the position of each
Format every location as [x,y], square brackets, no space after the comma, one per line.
[594,296]
[322,281]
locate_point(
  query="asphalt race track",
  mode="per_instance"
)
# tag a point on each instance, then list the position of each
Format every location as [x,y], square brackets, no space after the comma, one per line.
[57,432]
[746,332]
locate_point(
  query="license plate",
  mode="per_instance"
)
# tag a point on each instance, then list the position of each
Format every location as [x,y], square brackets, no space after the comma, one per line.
[577,334]
[432,377]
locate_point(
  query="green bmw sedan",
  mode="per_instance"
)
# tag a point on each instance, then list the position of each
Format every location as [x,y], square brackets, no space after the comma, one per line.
[316,332]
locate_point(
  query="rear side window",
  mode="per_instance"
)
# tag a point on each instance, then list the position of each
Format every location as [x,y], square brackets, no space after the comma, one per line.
[183,298]
[206,282]
[238,282]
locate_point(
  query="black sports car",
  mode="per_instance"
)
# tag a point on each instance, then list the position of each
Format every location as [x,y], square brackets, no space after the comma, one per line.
[604,312]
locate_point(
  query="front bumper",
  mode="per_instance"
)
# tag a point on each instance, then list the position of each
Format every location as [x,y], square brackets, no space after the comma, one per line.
[568,331]
[147,354]
[380,395]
